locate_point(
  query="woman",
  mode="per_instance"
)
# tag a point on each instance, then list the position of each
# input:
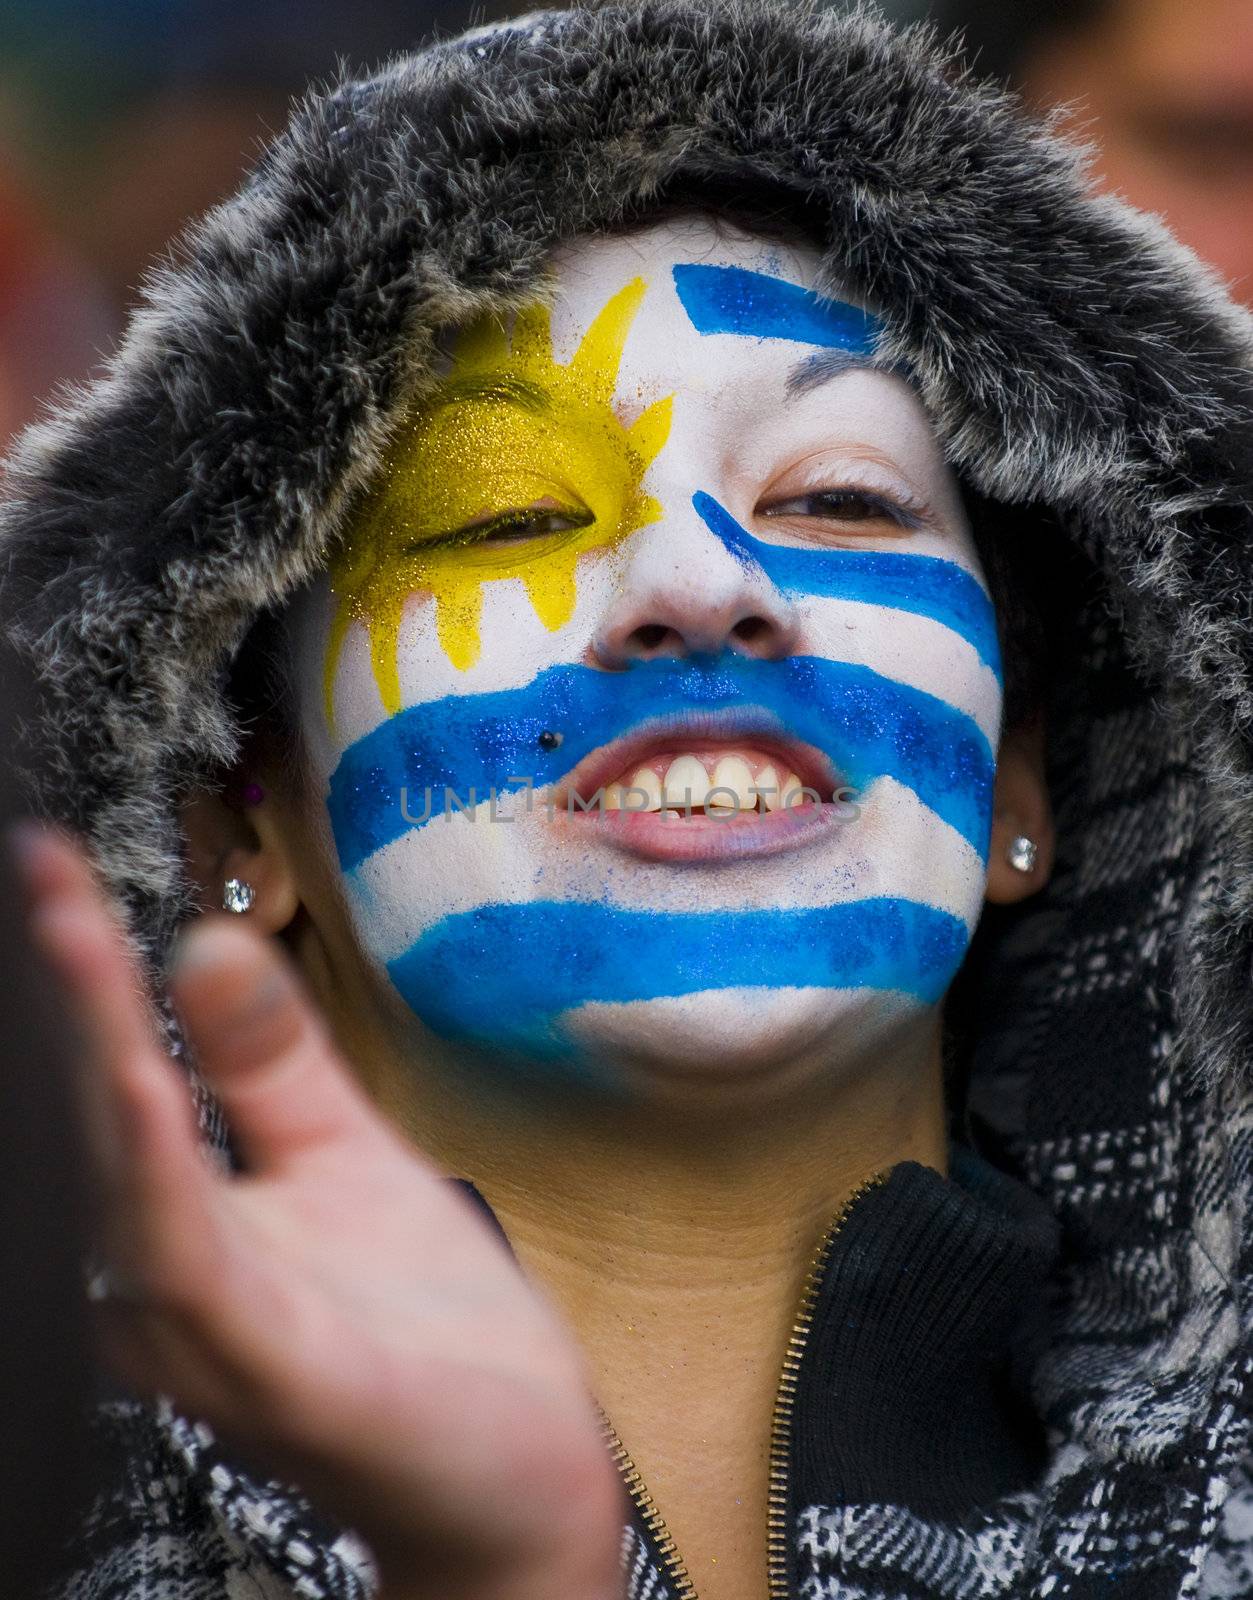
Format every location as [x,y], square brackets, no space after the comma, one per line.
[622,413]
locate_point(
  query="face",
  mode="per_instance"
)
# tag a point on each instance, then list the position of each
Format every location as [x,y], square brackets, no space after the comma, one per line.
[655,692]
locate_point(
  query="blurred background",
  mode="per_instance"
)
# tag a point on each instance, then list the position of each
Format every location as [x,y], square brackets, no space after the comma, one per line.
[120,119]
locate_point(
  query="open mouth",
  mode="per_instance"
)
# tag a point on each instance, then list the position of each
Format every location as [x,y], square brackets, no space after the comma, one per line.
[703,789]
[709,782]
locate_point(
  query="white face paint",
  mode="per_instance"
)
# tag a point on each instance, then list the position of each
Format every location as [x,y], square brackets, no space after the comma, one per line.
[679,537]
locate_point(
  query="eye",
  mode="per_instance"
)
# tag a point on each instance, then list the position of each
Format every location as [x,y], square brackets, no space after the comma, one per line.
[848,504]
[515,526]
[510,527]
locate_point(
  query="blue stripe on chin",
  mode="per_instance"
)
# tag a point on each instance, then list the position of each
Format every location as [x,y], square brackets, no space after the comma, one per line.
[500,976]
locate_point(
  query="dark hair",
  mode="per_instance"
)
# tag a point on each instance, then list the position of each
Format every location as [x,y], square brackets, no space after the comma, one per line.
[261,689]
[1015,545]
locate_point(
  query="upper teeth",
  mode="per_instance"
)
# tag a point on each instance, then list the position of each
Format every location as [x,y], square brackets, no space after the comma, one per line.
[688,780]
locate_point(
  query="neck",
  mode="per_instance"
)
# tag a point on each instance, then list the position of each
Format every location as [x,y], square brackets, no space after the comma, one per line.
[676,1246]
[683,1201]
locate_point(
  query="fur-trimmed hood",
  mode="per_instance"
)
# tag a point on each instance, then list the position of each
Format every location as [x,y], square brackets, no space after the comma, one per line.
[1078,364]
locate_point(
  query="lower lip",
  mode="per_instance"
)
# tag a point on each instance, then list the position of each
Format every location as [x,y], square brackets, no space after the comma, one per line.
[652,837]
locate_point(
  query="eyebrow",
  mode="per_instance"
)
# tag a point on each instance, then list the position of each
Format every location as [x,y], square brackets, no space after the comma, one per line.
[812,371]
[532,397]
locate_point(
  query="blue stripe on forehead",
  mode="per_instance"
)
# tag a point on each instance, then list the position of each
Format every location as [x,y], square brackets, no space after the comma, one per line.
[501,975]
[734,300]
[925,586]
[868,725]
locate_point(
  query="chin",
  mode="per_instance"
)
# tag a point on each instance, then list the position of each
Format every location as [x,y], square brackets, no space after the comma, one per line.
[738,1043]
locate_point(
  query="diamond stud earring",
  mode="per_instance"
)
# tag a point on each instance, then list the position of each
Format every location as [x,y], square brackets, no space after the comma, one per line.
[237,895]
[1021,854]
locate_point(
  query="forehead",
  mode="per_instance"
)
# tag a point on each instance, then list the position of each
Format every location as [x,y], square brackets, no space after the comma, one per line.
[664,337]
[722,324]
[583,270]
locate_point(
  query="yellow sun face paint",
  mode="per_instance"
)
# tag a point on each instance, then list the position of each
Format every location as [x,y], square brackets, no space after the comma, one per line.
[515,468]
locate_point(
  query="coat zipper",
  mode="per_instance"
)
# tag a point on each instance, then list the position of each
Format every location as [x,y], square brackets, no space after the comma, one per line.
[677,1576]
[778,1534]
[778,1543]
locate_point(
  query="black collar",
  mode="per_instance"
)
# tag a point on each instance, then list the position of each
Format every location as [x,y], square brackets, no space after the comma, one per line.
[913,1386]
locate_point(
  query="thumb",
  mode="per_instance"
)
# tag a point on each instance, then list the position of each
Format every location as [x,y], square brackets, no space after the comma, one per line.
[263,1047]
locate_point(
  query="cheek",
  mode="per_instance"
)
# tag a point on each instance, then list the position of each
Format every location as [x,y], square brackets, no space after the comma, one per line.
[517,644]
[913,650]
[450,867]
[933,711]
[426,869]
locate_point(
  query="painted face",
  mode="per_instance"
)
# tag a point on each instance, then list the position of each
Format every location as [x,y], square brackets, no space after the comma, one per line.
[655,690]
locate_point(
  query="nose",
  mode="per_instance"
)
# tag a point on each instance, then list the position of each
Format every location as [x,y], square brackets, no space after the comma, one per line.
[682,592]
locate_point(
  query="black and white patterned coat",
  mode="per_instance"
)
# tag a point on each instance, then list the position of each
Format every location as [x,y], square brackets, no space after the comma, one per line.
[1081,368]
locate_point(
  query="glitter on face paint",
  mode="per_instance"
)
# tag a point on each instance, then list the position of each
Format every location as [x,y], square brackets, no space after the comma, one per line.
[453,978]
[867,724]
[514,469]
[755,305]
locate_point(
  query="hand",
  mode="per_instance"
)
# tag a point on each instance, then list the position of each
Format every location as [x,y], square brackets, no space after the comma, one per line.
[340,1309]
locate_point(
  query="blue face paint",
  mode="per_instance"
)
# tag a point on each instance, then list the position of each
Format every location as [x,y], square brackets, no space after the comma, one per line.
[925,586]
[500,975]
[734,300]
[869,726]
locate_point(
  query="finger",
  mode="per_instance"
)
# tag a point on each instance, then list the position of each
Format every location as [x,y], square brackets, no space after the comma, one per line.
[57,874]
[141,1124]
[45,855]
[264,1048]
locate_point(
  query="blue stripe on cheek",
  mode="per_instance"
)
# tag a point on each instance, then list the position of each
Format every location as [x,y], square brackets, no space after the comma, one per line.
[868,725]
[734,300]
[925,586]
[500,975]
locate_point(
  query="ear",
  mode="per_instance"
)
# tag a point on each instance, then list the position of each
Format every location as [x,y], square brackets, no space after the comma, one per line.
[232,834]
[1020,809]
